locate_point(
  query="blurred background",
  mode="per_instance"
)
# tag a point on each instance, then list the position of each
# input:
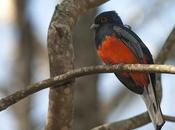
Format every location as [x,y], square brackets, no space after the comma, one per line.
[98,98]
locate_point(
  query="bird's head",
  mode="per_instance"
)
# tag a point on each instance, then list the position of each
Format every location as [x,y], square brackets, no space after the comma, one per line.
[109,17]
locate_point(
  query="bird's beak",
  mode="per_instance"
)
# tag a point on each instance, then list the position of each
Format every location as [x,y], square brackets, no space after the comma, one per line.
[94,26]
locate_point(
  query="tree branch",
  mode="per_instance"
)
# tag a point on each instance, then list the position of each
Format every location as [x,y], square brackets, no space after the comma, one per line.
[131,123]
[164,52]
[62,79]
[127,124]
[169,118]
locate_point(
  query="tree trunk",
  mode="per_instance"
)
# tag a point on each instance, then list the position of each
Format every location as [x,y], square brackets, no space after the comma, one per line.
[61,57]
[22,66]
[86,113]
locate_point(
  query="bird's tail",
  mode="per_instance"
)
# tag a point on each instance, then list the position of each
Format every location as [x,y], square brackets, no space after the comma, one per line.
[153,106]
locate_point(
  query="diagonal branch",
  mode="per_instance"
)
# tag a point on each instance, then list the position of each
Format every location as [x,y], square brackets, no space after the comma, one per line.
[127,124]
[67,77]
[131,123]
[165,51]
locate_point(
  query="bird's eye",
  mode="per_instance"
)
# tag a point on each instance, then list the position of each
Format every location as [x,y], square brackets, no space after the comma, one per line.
[104,19]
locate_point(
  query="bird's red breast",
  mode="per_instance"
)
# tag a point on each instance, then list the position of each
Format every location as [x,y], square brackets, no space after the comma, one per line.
[114,51]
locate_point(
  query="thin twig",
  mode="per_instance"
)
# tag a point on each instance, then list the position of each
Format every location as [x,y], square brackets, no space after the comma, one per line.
[69,76]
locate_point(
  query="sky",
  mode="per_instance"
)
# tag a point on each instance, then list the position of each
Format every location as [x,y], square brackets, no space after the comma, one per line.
[152,27]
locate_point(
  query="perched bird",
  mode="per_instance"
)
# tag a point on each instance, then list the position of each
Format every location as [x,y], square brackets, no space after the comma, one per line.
[116,43]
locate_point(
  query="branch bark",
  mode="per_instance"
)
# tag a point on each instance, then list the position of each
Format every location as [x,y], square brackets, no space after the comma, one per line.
[131,123]
[61,58]
[58,81]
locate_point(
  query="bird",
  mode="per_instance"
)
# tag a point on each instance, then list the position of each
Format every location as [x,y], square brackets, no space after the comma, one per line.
[116,43]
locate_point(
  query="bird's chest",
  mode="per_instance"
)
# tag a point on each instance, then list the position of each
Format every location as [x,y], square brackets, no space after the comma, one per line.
[114,51]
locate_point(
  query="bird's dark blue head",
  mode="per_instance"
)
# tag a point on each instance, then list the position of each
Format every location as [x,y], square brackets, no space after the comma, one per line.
[109,17]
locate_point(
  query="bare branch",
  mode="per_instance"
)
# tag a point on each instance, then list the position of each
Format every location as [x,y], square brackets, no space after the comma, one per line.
[164,52]
[169,118]
[67,77]
[126,124]
[131,123]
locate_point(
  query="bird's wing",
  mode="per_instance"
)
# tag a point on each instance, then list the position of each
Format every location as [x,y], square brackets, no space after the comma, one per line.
[150,61]
[138,48]
[130,41]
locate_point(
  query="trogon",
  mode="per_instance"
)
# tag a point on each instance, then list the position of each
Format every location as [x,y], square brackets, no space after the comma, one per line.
[116,43]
